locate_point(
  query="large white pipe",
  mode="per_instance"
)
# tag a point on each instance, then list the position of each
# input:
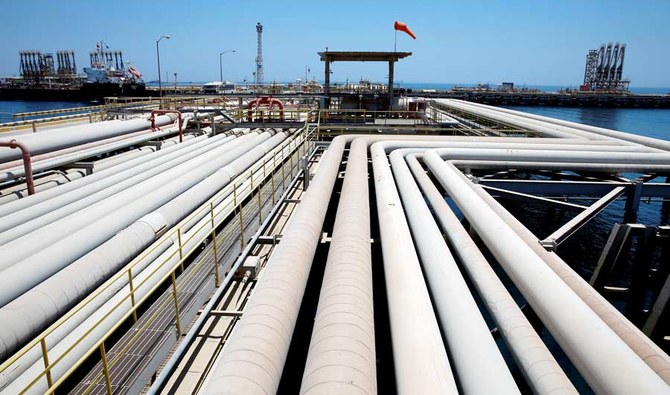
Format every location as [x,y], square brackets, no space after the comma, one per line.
[647,141]
[479,365]
[75,135]
[58,252]
[24,246]
[419,354]
[32,200]
[341,357]
[278,294]
[475,148]
[646,349]
[542,372]
[528,121]
[20,191]
[286,274]
[83,153]
[21,223]
[602,357]
[253,357]
[75,328]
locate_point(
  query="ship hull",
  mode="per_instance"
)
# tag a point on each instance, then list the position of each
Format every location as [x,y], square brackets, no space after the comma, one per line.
[87,92]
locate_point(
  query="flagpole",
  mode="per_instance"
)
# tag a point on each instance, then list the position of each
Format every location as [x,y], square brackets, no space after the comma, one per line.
[395,39]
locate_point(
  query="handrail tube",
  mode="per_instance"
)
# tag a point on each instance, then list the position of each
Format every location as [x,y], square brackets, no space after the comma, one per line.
[477,360]
[593,347]
[542,372]
[163,112]
[25,155]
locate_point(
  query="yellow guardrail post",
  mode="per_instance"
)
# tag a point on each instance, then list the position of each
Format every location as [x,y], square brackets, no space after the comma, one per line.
[181,250]
[105,368]
[283,172]
[239,206]
[260,206]
[217,279]
[176,302]
[45,357]
[291,157]
[132,292]
[272,179]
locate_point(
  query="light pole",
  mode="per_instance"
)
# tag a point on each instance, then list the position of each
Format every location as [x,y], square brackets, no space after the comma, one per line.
[158,58]
[221,63]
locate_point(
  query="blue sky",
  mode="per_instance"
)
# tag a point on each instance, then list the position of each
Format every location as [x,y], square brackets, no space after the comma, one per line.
[527,42]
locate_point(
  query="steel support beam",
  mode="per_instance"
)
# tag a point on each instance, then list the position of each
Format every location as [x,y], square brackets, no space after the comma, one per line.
[552,241]
[525,197]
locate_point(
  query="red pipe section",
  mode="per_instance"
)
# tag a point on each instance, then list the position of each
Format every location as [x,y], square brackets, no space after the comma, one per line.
[162,112]
[26,162]
[268,102]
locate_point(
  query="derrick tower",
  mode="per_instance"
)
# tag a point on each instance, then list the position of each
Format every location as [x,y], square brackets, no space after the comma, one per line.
[259,55]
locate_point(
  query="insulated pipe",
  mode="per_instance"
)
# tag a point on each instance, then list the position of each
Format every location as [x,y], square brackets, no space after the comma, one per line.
[77,148]
[546,129]
[242,371]
[656,358]
[253,358]
[479,365]
[540,165]
[542,372]
[602,357]
[27,168]
[60,160]
[474,142]
[293,257]
[44,181]
[407,294]
[647,141]
[67,137]
[159,384]
[93,178]
[24,220]
[341,357]
[48,212]
[69,333]
[52,251]
[493,112]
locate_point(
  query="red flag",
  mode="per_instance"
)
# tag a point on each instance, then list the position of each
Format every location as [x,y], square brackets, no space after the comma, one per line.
[403,28]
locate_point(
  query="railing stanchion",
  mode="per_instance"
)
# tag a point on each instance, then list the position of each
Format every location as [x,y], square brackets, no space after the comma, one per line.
[45,357]
[176,302]
[105,368]
[216,251]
